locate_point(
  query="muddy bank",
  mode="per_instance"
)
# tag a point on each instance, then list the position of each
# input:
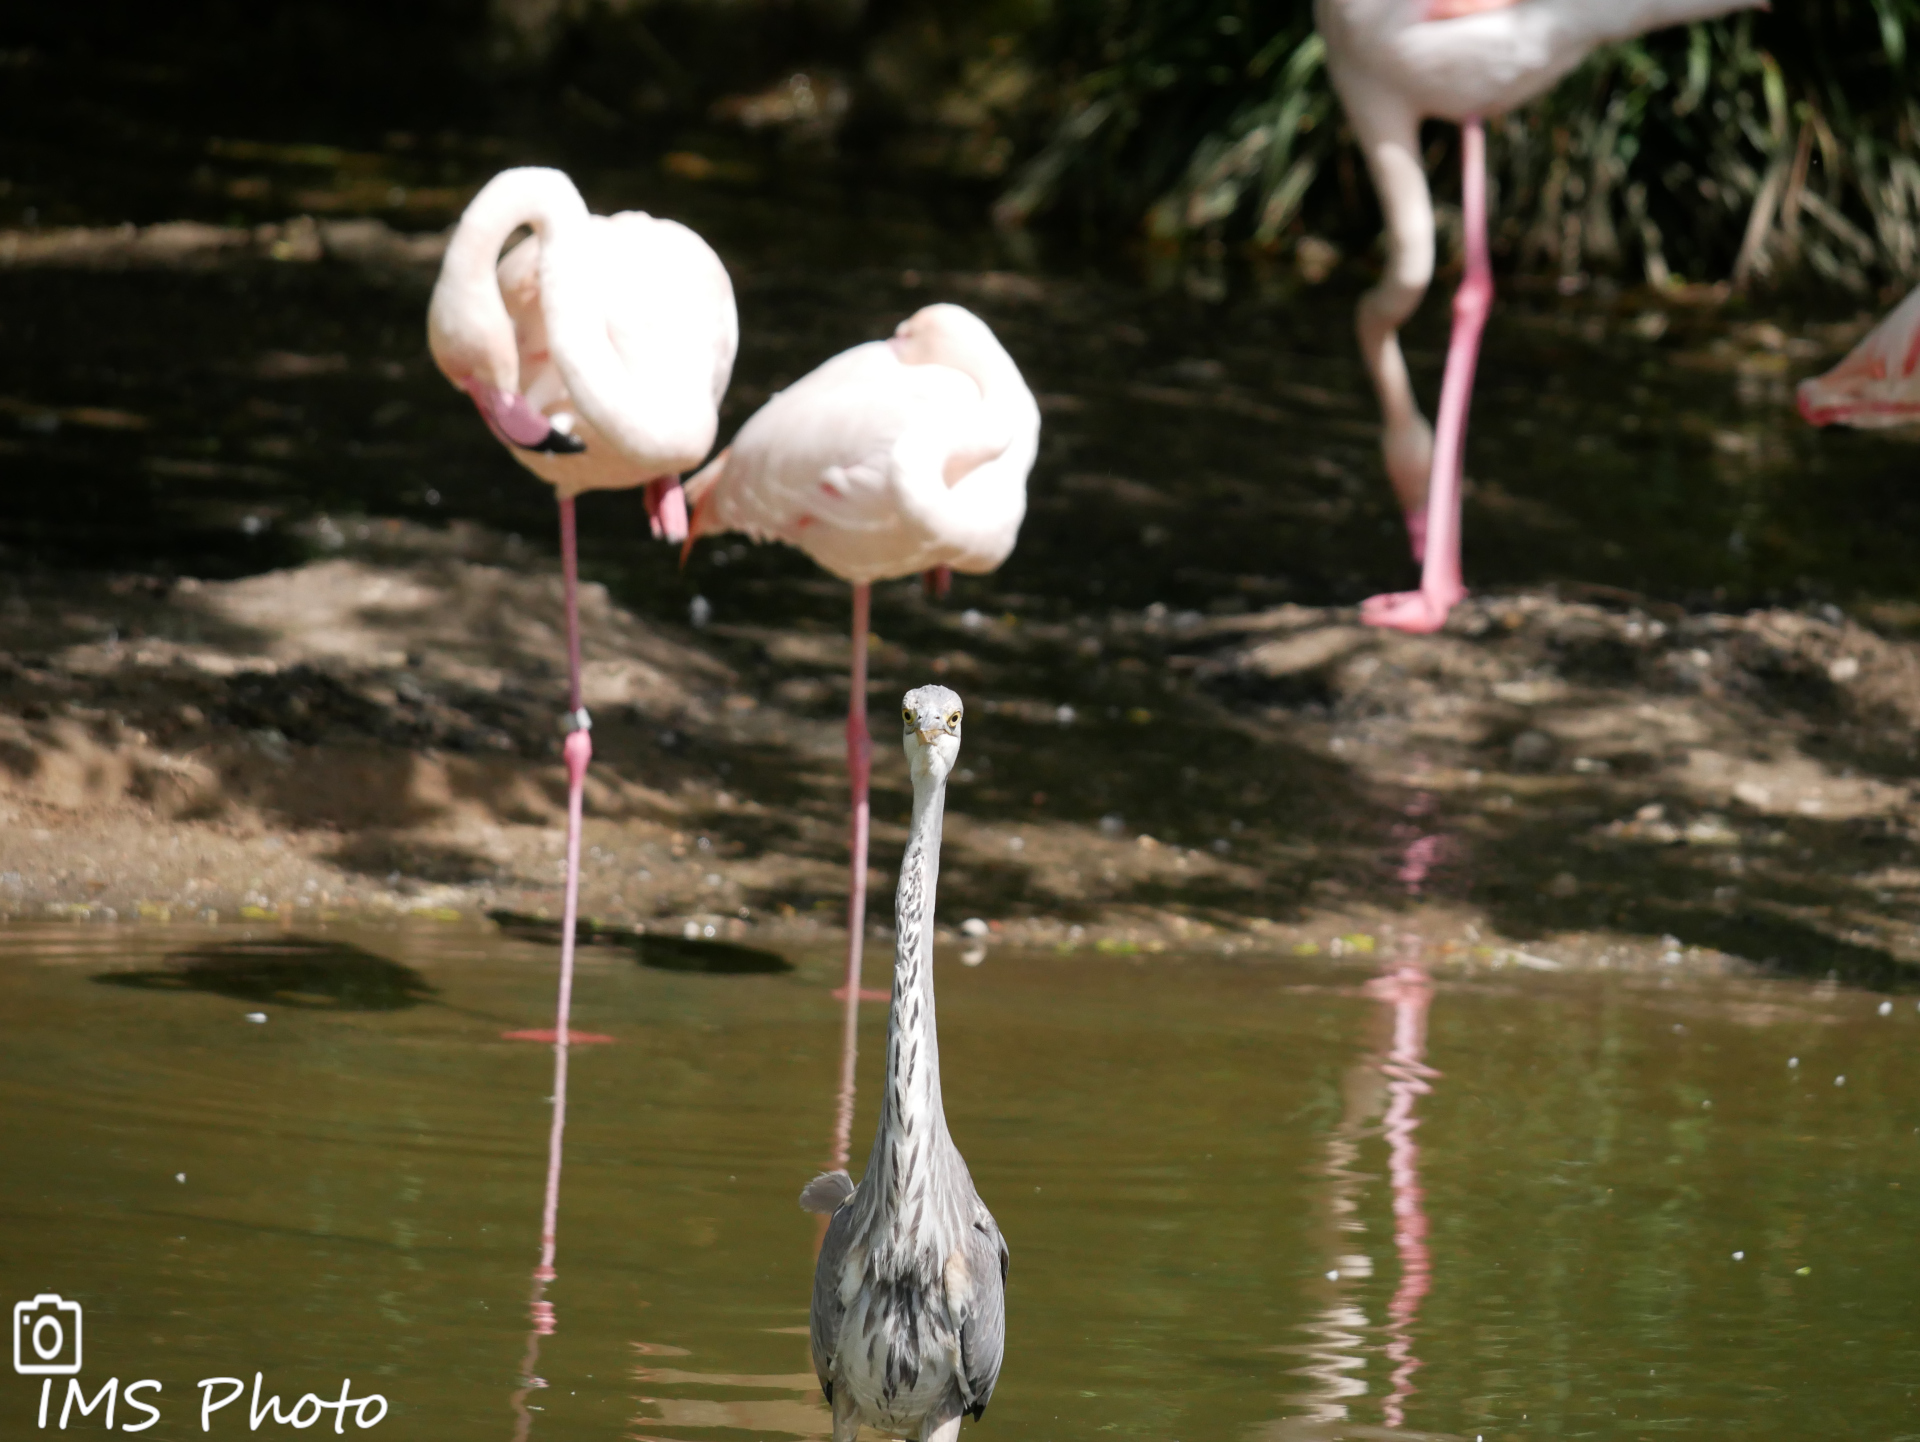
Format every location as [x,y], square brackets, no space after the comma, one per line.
[279,625]
[1553,781]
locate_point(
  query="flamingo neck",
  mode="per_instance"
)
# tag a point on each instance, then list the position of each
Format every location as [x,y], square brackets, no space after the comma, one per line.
[467,321]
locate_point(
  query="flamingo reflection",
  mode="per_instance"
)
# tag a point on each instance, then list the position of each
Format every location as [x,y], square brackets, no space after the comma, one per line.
[1408,990]
[1387,1082]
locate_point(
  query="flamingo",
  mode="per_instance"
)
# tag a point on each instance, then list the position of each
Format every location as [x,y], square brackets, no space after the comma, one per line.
[597,351]
[1395,63]
[903,455]
[1876,385]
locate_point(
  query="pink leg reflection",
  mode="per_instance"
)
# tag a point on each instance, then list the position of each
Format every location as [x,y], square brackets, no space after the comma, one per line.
[843,1102]
[539,1309]
[1409,991]
[1388,1080]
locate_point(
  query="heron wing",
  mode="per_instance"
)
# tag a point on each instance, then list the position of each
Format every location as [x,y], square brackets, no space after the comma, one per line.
[823,1330]
[983,1336]
[826,1192]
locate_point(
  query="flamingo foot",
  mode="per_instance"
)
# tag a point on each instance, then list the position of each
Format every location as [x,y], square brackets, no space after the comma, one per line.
[548,1034]
[667,510]
[1418,612]
[1417,531]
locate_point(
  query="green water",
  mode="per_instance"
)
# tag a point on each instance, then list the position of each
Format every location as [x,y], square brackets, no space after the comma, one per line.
[1531,1190]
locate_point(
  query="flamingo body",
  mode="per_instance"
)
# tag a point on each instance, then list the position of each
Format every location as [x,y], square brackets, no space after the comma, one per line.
[1450,60]
[894,457]
[669,316]
[1878,384]
[598,348]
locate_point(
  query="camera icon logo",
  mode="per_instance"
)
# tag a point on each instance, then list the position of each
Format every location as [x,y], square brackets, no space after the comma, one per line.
[46,1336]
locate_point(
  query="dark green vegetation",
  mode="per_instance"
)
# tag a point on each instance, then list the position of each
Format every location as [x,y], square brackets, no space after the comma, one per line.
[1767,147]
[1743,147]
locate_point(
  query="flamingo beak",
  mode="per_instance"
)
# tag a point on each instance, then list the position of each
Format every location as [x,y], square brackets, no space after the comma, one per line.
[510,417]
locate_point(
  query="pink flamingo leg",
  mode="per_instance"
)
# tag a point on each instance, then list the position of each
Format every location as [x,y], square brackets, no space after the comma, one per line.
[578,750]
[1440,580]
[859,767]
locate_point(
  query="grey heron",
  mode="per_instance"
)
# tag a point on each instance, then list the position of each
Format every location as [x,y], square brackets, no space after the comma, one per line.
[909,1293]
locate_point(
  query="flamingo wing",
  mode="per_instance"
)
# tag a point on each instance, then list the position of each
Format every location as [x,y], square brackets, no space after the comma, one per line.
[641,327]
[831,463]
[682,321]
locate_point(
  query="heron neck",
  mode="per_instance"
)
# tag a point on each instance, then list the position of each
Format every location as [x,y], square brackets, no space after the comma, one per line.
[912,1120]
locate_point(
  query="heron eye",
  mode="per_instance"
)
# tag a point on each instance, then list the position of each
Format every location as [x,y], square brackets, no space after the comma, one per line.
[954,719]
[907,716]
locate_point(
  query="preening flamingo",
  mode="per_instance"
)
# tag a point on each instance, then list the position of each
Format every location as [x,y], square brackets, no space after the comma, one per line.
[897,456]
[597,350]
[1394,64]
[1878,384]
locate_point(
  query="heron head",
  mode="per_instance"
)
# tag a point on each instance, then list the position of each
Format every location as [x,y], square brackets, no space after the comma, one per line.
[930,719]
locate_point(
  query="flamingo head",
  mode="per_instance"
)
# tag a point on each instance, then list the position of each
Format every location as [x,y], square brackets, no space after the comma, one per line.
[473,344]
[512,418]
[930,718]
[945,334]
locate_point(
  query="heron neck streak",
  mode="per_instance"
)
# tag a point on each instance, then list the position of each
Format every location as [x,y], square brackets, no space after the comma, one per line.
[913,1124]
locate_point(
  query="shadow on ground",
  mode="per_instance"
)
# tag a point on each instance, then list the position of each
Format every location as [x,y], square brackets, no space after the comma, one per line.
[320,612]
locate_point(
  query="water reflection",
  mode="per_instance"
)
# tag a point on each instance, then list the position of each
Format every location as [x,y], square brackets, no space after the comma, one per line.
[356,1183]
[660,952]
[1408,991]
[1387,1083]
[539,1309]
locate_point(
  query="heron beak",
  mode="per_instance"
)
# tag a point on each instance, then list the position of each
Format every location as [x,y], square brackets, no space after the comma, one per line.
[928,737]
